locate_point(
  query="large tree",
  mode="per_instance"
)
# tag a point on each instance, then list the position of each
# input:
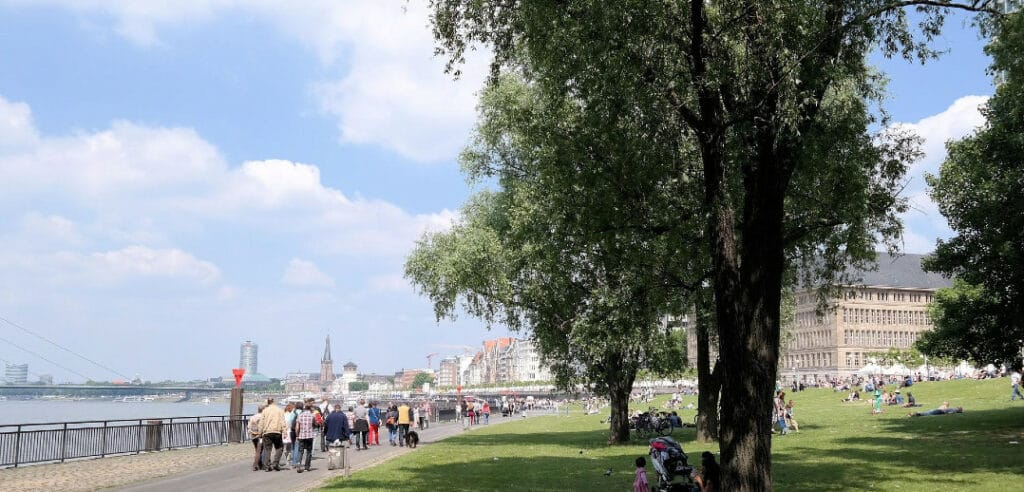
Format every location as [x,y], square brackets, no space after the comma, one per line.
[588,266]
[775,97]
[980,191]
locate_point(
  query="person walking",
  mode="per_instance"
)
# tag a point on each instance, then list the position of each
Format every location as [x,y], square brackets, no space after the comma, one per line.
[392,424]
[304,432]
[373,415]
[271,427]
[296,411]
[257,440]
[362,424]
[486,410]
[425,414]
[1015,386]
[336,426]
[404,418]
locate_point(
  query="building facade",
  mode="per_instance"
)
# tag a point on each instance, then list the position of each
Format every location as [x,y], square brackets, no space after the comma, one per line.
[15,373]
[448,372]
[886,308]
[505,360]
[248,357]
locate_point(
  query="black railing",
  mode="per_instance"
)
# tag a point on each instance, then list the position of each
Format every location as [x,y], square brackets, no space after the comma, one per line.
[42,443]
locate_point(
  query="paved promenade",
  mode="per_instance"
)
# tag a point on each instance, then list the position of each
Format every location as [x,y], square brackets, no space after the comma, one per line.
[224,467]
[216,468]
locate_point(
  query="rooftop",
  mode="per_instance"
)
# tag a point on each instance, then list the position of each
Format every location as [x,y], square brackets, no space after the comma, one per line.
[900,271]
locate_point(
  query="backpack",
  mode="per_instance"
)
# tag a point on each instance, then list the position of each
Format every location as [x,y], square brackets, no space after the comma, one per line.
[318,419]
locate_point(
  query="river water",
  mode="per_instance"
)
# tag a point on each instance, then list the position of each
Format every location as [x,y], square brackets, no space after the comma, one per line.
[45,411]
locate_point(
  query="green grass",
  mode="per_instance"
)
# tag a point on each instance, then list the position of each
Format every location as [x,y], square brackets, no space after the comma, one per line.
[841,446]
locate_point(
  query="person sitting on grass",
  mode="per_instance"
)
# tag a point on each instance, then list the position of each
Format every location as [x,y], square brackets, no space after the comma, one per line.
[854,396]
[898,400]
[707,479]
[942,410]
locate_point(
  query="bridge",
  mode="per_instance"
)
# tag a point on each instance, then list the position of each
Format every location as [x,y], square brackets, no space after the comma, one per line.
[108,389]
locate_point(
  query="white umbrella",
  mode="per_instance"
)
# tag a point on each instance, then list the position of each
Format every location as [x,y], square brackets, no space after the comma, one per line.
[871,368]
[898,369]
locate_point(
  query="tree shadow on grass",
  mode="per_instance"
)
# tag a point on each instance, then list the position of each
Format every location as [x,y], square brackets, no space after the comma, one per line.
[539,473]
[939,452]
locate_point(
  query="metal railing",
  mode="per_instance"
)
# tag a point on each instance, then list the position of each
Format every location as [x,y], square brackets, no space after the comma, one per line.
[58,442]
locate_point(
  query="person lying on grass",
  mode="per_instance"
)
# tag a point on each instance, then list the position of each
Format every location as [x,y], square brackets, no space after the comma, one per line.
[942,410]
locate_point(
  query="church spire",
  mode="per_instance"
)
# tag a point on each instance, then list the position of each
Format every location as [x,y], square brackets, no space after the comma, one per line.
[327,352]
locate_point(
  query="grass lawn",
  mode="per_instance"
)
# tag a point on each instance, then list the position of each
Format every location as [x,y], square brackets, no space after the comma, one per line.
[840,447]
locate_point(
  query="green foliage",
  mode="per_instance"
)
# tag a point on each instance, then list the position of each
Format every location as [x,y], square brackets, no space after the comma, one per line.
[421,379]
[728,140]
[356,386]
[980,191]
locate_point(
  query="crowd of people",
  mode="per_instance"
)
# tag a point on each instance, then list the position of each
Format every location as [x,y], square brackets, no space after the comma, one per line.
[290,431]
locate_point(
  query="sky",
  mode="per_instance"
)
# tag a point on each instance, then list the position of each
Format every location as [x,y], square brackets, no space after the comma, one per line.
[179,177]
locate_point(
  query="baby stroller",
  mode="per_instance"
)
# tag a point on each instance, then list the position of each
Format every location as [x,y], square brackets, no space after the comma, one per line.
[670,462]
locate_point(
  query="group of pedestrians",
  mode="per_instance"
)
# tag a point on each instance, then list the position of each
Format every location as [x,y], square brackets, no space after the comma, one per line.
[290,431]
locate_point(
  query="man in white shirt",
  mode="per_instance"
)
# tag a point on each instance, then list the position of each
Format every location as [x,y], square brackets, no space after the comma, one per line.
[1015,386]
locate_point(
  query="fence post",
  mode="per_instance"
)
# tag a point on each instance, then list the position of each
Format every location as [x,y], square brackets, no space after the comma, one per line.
[197,432]
[103,448]
[138,441]
[63,441]
[17,447]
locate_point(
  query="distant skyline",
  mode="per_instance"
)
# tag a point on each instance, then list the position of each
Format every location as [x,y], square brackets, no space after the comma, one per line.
[181,177]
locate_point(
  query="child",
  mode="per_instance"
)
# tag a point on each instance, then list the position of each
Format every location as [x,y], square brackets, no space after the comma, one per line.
[640,484]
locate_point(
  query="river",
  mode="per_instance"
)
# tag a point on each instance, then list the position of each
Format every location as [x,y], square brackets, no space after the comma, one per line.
[14,412]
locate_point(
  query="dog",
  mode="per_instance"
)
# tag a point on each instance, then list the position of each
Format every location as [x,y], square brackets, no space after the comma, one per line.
[412,439]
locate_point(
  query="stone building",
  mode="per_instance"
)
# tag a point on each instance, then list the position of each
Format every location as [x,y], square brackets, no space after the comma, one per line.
[886,308]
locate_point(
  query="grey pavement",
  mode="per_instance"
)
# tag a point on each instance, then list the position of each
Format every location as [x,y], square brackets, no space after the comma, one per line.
[239,475]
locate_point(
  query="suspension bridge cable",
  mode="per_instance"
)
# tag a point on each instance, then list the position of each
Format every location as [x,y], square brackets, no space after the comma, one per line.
[72,371]
[55,344]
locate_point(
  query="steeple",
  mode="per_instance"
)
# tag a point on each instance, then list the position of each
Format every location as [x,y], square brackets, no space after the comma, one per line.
[326,366]
[327,352]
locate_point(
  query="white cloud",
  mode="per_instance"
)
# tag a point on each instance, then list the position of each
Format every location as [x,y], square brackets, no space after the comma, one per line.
[125,158]
[393,93]
[16,127]
[923,223]
[958,120]
[304,273]
[147,262]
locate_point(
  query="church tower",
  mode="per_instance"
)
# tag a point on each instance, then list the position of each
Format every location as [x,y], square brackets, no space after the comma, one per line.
[326,367]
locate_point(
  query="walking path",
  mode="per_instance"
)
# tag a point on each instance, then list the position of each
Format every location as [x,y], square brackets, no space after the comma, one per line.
[239,475]
[216,468]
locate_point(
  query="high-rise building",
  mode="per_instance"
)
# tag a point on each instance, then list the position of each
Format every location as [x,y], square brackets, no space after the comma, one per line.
[247,359]
[16,373]
[326,366]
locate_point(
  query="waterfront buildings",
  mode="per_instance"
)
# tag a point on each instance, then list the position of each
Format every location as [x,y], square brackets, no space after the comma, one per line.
[15,373]
[502,360]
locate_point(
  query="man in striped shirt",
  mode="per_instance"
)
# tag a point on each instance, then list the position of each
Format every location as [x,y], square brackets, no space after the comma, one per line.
[304,437]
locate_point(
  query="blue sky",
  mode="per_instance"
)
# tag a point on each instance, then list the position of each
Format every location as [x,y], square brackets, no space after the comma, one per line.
[183,176]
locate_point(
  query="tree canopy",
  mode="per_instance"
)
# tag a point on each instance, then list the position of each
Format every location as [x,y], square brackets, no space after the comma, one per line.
[753,118]
[980,191]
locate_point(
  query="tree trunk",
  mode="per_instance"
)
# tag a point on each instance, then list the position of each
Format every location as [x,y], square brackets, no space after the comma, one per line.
[620,385]
[709,382]
[748,288]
